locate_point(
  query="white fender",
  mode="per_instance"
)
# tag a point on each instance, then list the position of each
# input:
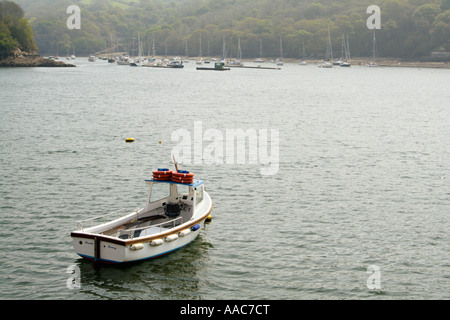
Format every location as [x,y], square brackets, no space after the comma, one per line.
[156,242]
[185,232]
[172,237]
[137,246]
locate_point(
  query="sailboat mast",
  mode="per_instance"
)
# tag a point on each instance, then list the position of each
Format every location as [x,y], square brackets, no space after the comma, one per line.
[281,48]
[348,49]
[223,48]
[329,44]
[200,51]
[239,48]
[373,45]
[260,48]
[153,44]
[303,54]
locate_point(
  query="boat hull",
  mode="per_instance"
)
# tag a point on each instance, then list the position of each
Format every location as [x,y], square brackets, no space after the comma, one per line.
[110,250]
[160,227]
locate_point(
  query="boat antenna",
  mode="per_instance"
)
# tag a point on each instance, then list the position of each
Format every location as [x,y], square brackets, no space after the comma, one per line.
[175,162]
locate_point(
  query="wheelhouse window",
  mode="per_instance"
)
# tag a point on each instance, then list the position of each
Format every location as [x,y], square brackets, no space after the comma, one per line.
[198,195]
[159,191]
[182,190]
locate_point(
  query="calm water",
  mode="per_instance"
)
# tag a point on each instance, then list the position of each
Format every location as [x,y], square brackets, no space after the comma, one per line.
[363,180]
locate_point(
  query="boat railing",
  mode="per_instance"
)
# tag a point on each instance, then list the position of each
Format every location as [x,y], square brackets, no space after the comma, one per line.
[136,232]
[91,220]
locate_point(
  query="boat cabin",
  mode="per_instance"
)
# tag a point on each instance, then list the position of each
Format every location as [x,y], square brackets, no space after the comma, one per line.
[173,198]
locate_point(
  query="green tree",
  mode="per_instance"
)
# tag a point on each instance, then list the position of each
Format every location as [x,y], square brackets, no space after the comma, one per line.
[22,31]
[7,43]
[441,32]
[15,31]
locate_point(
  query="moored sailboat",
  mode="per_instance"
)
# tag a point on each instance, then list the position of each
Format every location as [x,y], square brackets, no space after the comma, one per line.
[260,59]
[374,49]
[326,63]
[279,61]
[346,48]
[303,62]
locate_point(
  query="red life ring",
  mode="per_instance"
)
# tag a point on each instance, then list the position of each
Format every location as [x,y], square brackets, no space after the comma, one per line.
[182,180]
[161,179]
[183,175]
[162,176]
[169,172]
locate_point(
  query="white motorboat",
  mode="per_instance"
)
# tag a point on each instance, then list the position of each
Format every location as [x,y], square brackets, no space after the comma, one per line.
[325,64]
[371,64]
[176,207]
[123,60]
[91,58]
[175,62]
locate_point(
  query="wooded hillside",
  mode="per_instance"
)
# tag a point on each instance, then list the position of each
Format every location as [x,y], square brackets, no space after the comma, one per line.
[15,31]
[410,29]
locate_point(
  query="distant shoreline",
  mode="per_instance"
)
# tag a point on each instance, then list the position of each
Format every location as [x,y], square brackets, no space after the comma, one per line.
[31,60]
[385,62]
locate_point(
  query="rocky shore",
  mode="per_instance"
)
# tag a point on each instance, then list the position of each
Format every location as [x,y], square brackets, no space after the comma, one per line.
[31,60]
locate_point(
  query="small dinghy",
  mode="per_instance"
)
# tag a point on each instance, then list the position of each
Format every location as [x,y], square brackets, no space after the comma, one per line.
[176,206]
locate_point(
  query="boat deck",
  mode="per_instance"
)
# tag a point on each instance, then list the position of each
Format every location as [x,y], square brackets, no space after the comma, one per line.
[158,218]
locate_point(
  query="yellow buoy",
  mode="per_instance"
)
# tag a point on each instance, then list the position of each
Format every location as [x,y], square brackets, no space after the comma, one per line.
[129,140]
[159,141]
[208,218]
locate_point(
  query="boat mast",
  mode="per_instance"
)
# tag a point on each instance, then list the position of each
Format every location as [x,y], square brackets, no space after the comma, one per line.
[347,52]
[260,48]
[303,55]
[374,45]
[239,49]
[200,51]
[329,44]
[223,48]
[281,48]
[153,44]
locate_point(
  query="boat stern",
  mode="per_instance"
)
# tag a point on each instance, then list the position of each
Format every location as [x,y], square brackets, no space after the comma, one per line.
[98,248]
